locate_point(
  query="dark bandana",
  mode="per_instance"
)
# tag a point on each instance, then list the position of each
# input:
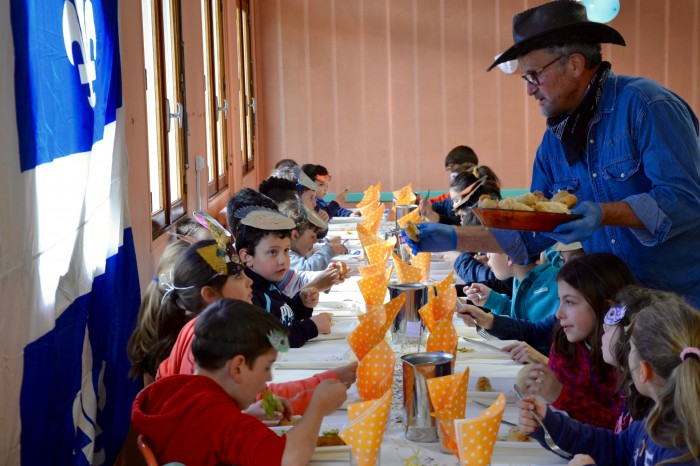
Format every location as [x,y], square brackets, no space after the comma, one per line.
[572,129]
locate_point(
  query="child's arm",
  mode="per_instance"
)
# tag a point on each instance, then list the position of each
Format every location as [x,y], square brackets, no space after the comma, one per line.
[301,439]
[317,262]
[299,392]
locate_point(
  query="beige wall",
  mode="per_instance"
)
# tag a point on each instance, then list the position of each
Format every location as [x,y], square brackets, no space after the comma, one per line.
[380,90]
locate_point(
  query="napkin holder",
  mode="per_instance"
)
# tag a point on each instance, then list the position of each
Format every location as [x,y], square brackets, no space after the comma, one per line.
[407,328]
[419,425]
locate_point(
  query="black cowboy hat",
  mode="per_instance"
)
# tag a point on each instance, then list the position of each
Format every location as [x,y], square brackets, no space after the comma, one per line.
[555,23]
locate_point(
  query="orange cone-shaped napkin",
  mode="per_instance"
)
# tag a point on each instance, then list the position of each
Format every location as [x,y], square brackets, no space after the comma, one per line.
[413,216]
[371,195]
[391,309]
[367,237]
[445,299]
[426,315]
[375,372]
[372,219]
[476,437]
[380,252]
[366,335]
[366,429]
[374,288]
[422,261]
[371,269]
[444,336]
[404,272]
[448,395]
[404,196]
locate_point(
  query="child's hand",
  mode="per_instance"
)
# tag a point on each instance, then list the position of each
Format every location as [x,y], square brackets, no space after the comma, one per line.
[581,460]
[477,293]
[450,257]
[326,279]
[472,315]
[543,382]
[324,215]
[524,353]
[323,322]
[309,296]
[526,421]
[256,410]
[425,209]
[337,246]
[347,374]
[329,395]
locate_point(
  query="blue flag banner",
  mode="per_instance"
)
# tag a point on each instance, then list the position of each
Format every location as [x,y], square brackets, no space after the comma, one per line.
[68,278]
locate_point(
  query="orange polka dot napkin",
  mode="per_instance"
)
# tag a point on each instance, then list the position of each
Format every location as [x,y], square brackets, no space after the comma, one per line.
[372,218]
[364,434]
[375,372]
[477,437]
[367,237]
[370,196]
[404,272]
[426,314]
[374,288]
[371,269]
[448,395]
[404,196]
[445,297]
[373,327]
[367,333]
[422,261]
[380,252]
[413,216]
[444,336]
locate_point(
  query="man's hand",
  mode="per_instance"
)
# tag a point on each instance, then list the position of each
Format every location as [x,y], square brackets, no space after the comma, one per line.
[433,237]
[581,229]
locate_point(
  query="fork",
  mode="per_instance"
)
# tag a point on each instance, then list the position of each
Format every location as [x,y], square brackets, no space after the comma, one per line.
[485,335]
[547,438]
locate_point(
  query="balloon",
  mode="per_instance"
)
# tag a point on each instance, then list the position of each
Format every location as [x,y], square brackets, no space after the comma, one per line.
[602,11]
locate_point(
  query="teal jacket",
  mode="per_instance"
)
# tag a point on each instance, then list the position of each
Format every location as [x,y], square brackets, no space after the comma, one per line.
[533,299]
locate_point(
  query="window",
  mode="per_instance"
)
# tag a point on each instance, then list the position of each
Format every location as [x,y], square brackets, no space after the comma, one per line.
[215,96]
[246,93]
[165,108]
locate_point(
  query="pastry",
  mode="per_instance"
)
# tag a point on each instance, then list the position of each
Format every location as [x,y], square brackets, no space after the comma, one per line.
[516,435]
[566,198]
[483,385]
[552,207]
[329,438]
[342,268]
[412,231]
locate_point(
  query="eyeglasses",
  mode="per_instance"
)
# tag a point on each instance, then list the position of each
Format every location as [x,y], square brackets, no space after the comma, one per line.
[533,77]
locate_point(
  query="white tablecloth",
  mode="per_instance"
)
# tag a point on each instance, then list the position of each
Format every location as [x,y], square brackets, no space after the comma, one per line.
[345,301]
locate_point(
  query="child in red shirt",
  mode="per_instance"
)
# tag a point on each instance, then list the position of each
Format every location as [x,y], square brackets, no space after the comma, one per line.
[198,419]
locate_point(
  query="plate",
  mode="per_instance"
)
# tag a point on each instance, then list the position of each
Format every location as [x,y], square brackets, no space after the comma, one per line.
[524,453]
[497,345]
[323,453]
[522,219]
[340,328]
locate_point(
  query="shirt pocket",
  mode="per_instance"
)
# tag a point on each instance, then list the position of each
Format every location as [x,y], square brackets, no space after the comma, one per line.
[622,169]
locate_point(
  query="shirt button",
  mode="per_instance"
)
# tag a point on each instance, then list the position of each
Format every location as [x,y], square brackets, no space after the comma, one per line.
[595,175]
[612,241]
[592,141]
[622,175]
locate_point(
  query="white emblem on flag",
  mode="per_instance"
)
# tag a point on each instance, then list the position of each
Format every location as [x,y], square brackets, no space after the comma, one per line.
[79,26]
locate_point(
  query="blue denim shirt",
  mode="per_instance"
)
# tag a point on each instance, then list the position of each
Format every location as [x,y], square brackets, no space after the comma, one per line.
[643,149]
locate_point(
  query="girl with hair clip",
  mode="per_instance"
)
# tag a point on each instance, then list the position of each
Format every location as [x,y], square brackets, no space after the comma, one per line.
[145,334]
[664,365]
[575,377]
[207,272]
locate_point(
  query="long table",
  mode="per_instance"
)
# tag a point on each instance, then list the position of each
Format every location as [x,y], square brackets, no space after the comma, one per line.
[328,351]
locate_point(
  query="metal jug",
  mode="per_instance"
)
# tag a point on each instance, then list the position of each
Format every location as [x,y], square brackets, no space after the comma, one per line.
[420,426]
[407,328]
[402,210]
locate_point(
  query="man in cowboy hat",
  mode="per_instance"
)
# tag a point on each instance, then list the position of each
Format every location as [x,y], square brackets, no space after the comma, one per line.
[627,147]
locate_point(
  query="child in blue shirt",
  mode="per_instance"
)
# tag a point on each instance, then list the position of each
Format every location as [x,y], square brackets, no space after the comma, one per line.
[319,174]
[262,241]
